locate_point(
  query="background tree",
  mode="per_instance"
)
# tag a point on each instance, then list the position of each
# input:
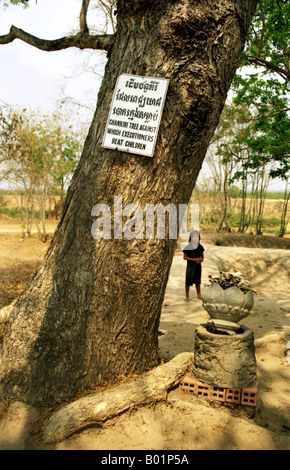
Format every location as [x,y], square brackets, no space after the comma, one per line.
[265,93]
[224,160]
[92,311]
[257,140]
[267,43]
[233,148]
[284,220]
[40,154]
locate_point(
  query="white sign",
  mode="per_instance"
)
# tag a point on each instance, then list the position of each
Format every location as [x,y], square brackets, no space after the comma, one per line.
[135,114]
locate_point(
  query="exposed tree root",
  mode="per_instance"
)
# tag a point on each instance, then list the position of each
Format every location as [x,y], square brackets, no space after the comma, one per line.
[99,407]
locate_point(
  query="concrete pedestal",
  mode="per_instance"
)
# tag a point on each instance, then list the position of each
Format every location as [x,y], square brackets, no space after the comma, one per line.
[225,360]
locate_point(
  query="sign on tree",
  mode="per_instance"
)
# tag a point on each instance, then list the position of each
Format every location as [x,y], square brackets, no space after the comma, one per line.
[135,114]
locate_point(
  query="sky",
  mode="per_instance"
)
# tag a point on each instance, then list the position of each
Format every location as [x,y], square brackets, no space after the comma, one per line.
[30,78]
[33,78]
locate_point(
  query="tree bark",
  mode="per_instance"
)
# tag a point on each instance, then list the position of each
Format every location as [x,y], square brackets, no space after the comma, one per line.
[92,311]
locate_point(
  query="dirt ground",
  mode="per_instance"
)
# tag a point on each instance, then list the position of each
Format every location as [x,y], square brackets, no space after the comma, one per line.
[183,421]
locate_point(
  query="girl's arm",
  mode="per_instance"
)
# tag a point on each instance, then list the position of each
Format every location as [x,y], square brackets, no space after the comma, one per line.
[197,260]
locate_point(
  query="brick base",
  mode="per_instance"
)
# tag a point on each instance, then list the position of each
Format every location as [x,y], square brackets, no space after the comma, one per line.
[228,395]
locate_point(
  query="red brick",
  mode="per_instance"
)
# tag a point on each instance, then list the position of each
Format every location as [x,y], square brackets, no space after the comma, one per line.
[218,393]
[249,395]
[230,395]
[233,395]
[202,390]
[188,385]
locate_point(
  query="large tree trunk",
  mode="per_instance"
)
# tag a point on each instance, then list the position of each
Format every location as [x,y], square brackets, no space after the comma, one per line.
[92,311]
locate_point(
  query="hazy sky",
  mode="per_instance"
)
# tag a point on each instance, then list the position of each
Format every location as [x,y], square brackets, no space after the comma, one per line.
[33,78]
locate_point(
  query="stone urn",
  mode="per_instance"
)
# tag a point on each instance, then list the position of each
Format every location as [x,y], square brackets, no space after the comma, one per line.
[229,304]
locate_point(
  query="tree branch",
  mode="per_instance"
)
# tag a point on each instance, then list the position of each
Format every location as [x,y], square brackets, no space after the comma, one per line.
[267,116]
[82,40]
[83,16]
[259,61]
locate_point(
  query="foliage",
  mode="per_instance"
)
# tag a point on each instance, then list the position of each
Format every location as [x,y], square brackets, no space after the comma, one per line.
[38,153]
[39,145]
[268,38]
[24,3]
[253,137]
[265,93]
[266,124]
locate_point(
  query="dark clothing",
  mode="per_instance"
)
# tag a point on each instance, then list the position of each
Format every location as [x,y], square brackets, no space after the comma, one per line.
[193,269]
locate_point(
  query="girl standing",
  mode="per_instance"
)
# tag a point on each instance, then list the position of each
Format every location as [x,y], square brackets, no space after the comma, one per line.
[193,254]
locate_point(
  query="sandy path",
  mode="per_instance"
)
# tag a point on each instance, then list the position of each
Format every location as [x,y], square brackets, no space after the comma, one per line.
[185,422]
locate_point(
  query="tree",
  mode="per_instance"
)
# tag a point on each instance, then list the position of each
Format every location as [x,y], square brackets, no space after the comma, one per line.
[39,153]
[92,311]
[267,43]
[257,138]
[284,221]
[266,91]
[242,156]
[266,101]
[9,122]
[222,162]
